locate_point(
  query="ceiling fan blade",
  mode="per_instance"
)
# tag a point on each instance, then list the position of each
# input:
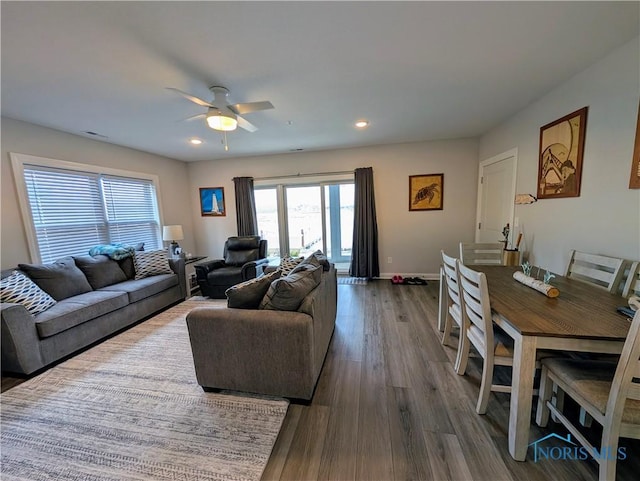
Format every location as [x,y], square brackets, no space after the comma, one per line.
[249,107]
[193,98]
[246,125]
[194,117]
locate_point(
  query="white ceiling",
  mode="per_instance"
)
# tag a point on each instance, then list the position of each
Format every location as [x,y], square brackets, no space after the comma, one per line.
[416,70]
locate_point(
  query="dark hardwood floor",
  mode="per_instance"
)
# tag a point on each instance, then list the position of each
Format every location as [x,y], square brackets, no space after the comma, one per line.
[389,406]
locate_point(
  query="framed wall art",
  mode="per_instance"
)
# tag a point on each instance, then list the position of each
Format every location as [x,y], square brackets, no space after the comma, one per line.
[212,201]
[560,156]
[634,181]
[426,192]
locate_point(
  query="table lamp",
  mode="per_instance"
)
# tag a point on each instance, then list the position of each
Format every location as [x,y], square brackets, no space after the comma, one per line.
[172,233]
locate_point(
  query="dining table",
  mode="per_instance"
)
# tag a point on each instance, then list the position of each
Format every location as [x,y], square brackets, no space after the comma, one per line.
[583,318]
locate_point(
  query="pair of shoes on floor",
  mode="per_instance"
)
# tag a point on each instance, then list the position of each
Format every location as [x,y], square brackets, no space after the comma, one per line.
[412,281]
[415,281]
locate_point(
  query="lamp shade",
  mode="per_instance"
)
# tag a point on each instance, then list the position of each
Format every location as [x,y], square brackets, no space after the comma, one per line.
[172,233]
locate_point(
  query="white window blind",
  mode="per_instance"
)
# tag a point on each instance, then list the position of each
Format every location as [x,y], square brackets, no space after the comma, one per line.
[73,211]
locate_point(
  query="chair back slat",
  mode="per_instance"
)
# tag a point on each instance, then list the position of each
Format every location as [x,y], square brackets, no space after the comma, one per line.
[632,286]
[451,277]
[602,271]
[481,253]
[628,368]
[475,300]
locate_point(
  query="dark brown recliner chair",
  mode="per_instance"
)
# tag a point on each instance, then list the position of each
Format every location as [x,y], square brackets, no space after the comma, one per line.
[245,257]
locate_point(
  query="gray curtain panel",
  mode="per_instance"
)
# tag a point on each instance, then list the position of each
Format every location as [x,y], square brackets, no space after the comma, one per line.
[245,206]
[364,254]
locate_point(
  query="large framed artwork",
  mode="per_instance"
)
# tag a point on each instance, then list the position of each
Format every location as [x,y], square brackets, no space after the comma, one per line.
[560,156]
[634,181]
[426,192]
[212,201]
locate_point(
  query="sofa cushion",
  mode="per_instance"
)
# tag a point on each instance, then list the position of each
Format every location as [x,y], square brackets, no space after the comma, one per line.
[151,263]
[248,294]
[288,292]
[139,289]
[316,259]
[287,264]
[322,259]
[60,280]
[19,289]
[100,271]
[74,311]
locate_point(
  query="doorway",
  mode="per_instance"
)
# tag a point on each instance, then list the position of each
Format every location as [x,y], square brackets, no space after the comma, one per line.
[496,196]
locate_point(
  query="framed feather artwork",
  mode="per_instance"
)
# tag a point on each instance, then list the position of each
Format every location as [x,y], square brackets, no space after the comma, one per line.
[426,192]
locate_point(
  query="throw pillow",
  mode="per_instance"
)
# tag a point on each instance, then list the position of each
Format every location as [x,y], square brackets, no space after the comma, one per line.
[18,288]
[288,292]
[100,271]
[322,258]
[60,280]
[248,294]
[126,264]
[287,264]
[151,263]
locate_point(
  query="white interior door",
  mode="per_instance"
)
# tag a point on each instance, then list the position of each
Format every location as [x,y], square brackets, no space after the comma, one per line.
[496,197]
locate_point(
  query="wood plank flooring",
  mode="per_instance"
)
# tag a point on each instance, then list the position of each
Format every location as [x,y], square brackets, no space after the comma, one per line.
[389,406]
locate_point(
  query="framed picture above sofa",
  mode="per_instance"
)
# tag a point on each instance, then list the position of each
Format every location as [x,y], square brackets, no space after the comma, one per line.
[212,202]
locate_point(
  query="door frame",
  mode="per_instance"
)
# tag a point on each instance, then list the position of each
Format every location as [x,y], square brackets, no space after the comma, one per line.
[485,163]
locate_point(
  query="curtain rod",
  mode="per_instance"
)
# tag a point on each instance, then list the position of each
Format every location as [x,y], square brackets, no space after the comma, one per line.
[298,175]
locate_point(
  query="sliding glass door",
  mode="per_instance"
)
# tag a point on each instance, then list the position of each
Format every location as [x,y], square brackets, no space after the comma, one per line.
[300,219]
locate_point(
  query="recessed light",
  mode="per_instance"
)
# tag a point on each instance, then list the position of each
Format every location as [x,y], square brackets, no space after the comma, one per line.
[361,124]
[195,141]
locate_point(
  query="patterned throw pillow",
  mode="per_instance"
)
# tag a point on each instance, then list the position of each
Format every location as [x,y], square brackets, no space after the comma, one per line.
[287,264]
[151,263]
[18,288]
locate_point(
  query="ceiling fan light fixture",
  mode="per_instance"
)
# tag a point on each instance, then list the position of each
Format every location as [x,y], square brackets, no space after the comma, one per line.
[225,123]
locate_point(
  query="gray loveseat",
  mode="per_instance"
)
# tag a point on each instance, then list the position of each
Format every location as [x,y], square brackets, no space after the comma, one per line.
[105,298]
[266,351]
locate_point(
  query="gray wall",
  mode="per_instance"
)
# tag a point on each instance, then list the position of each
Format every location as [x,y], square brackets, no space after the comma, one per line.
[31,139]
[605,219]
[412,239]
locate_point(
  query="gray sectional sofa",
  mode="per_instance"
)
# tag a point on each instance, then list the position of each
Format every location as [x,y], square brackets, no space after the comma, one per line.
[265,349]
[96,297]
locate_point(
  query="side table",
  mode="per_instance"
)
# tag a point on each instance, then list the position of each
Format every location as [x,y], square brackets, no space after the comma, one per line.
[190,274]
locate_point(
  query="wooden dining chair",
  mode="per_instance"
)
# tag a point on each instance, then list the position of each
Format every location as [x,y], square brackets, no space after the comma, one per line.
[481,254]
[495,347]
[605,390]
[454,312]
[632,286]
[602,271]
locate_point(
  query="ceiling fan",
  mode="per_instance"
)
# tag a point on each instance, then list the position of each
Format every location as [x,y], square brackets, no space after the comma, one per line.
[222,115]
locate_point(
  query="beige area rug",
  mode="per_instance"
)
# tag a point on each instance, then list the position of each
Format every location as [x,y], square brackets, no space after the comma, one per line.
[131,409]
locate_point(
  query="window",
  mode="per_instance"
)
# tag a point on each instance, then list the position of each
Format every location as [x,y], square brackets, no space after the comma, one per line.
[298,218]
[68,210]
